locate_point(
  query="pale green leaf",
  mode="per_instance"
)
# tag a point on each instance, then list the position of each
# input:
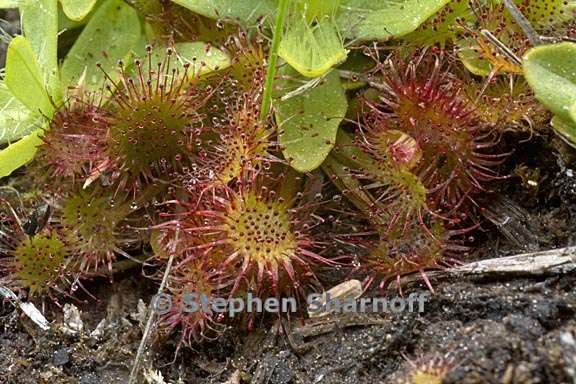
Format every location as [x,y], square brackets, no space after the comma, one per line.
[246,12]
[566,130]
[468,53]
[17,124]
[65,23]
[9,3]
[384,19]
[77,9]
[202,57]
[551,72]
[309,121]
[443,27]
[312,50]
[316,9]
[24,77]
[16,121]
[19,153]
[40,26]
[109,36]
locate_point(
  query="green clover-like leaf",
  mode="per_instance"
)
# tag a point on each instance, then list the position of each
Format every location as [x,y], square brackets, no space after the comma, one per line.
[109,36]
[16,120]
[384,19]
[246,12]
[40,26]
[312,49]
[77,9]
[309,121]
[551,72]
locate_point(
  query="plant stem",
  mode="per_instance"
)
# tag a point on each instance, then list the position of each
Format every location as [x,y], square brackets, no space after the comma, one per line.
[273,58]
[150,323]
[523,23]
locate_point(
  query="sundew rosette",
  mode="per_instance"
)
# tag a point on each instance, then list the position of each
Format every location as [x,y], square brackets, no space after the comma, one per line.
[74,144]
[98,225]
[237,139]
[190,282]
[263,239]
[35,261]
[422,100]
[414,248]
[156,117]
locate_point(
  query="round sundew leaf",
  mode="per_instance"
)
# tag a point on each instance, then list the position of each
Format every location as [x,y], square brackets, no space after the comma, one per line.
[19,153]
[309,121]
[39,261]
[109,36]
[547,14]
[384,19]
[312,50]
[551,72]
[247,12]
[90,223]
[77,9]
[24,78]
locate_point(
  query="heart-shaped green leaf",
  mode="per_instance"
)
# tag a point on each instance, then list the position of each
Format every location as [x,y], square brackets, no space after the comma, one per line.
[551,72]
[384,19]
[77,9]
[316,9]
[309,121]
[108,37]
[312,49]
[24,77]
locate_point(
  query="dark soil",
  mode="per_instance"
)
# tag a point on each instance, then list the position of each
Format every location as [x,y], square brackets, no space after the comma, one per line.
[10,24]
[514,331]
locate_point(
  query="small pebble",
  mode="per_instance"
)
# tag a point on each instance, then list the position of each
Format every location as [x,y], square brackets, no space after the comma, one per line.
[60,357]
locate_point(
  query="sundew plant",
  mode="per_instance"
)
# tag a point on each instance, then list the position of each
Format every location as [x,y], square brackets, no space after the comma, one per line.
[258,146]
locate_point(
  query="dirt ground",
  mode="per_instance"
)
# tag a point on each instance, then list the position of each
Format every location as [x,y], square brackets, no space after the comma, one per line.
[506,331]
